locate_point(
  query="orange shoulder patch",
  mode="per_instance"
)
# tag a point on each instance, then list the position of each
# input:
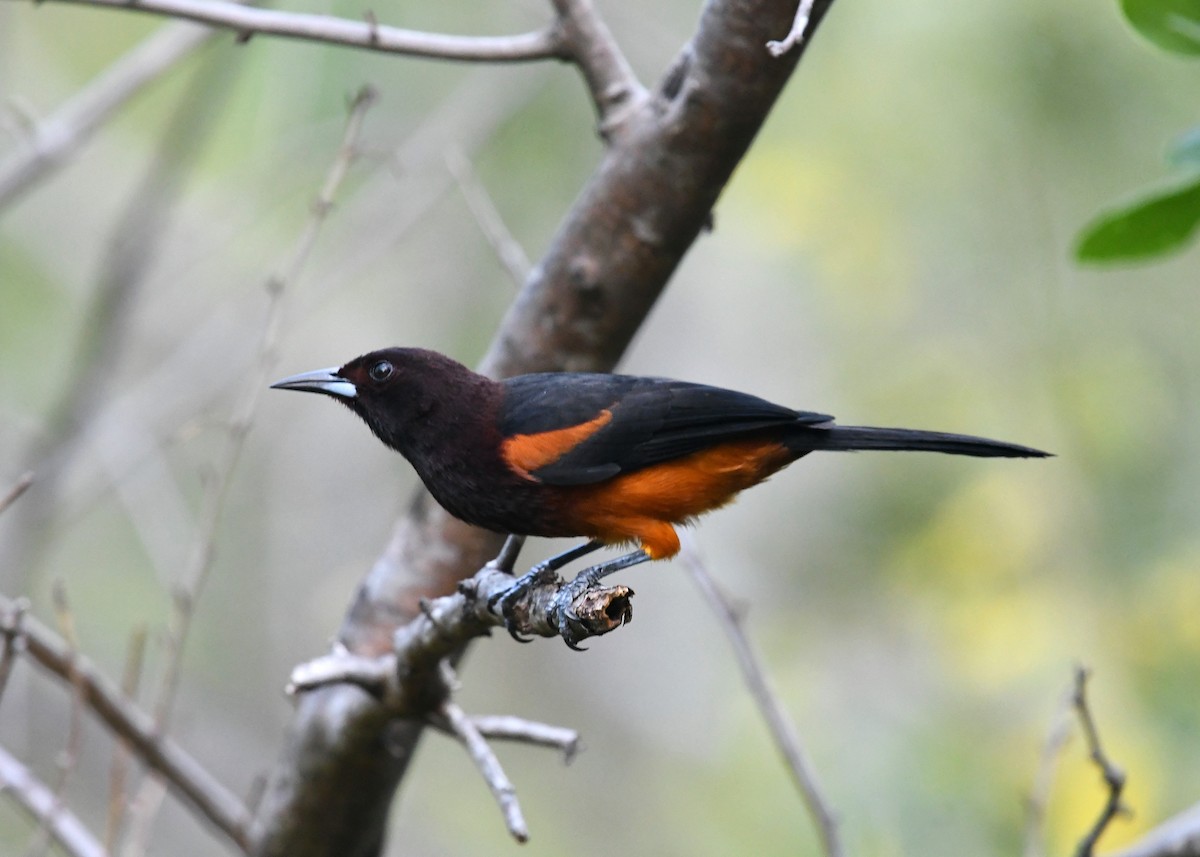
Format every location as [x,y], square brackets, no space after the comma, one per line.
[525,453]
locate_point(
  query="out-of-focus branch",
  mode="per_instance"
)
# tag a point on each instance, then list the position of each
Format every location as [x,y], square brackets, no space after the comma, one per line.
[122,754]
[44,807]
[508,250]
[53,141]
[1114,777]
[21,486]
[367,34]
[1176,837]
[68,757]
[796,33]
[782,731]
[1043,782]
[648,200]
[186,777]
[195,574]
[132,248]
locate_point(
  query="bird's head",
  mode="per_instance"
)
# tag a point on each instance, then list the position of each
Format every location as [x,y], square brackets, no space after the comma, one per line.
[394,390]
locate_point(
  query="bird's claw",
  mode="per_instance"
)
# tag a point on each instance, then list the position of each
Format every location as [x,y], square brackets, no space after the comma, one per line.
[509,598]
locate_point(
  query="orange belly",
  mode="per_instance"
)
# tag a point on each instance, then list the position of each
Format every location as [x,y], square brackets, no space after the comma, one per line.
[642,506]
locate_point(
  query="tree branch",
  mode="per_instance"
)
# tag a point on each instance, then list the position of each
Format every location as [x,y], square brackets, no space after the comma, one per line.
[1114,777]
[615,89]
[489,768]
[186,777]
[790,746]
[368,35]
[448,623]
[63,826]
[20,487]
[53,141]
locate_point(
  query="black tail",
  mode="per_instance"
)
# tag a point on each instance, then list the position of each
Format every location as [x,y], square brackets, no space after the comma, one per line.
[843,438]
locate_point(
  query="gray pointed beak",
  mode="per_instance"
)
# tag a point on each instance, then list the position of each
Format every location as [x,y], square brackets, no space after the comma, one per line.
[325,381]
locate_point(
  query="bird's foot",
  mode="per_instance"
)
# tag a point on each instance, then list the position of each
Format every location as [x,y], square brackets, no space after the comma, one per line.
[585,609]
[507,599]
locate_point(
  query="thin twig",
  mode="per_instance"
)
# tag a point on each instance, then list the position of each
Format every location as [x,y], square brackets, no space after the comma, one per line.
[508,250]
[21,486]
[782,731]
[68,758]
[53,141]
[1043,783]
[195,575]
[796,34]
[615,89]
[118,773]
[42,805]
[187,777]
[13,640]
[489,767]
[367,34]
[504,727]
[1114,777]
[200,562]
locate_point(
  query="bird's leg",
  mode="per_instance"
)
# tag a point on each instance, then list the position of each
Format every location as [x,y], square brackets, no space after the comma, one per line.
[569,626]
[589,577]
[507,558]
[538,574]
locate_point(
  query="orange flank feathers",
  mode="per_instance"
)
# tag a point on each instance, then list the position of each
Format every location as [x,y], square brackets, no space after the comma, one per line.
[641,506]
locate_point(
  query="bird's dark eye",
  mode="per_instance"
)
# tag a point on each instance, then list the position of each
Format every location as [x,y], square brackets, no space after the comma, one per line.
[381,371]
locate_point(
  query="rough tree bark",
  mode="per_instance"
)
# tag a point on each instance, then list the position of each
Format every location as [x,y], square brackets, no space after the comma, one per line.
[669,157]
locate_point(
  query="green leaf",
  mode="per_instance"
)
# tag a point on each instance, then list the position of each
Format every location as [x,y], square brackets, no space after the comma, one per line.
[1186,150]
[1154,226]
[1173,25]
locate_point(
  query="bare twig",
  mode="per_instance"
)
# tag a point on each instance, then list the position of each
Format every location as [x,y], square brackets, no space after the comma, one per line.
[53,141]
[63,826]
[187,778]
[1114,777]
[491,224]
[614,87]
[196,574]
[21,486]
[1039,796]
[489,767]
[135,239]
[366,34]
[796,33]
[503,727]
[13,641]
[68,758]
[788,742]
[118,774]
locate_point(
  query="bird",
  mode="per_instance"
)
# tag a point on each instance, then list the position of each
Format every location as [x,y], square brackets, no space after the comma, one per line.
[615,459]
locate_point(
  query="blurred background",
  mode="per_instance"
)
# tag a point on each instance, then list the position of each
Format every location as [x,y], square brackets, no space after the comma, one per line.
[895,250]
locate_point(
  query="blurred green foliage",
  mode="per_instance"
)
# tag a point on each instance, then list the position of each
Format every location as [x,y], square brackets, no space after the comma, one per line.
[1163,221]
[892,251]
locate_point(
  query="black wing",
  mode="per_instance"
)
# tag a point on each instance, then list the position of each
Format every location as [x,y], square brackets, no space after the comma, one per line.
[653,420]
